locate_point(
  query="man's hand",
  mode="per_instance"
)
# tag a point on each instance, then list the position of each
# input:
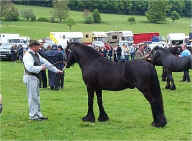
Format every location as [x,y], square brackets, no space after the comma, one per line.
[43,67]
[60,72]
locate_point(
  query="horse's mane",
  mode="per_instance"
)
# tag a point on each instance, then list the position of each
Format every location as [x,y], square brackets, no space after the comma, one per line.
[86,48]
[162,49]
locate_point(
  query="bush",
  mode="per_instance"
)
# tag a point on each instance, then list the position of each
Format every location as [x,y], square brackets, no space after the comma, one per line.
[33,18]
[96,16]
[131,20]
[11,14]
[89,19]
[43,19]
[174,15]
[28,14]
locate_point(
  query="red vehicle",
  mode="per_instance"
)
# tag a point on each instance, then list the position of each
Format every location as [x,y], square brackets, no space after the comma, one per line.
[144,37]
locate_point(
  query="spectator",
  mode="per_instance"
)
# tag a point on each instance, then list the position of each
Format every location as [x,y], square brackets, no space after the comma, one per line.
[184,53]
[119,50]
[1,106]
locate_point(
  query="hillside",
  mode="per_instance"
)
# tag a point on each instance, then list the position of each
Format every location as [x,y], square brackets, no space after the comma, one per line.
[38,30]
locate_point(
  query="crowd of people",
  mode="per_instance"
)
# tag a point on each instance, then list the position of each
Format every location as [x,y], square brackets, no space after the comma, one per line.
[124,52]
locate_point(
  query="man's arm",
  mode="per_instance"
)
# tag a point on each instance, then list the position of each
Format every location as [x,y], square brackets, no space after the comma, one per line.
[48,65]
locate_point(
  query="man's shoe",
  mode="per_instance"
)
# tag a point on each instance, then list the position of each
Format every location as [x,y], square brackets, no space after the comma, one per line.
[43,118]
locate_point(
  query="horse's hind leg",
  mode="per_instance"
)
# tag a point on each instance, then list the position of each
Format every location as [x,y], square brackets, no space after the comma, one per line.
[156,103]
[90,114]
[172,87]
[186,73]
[102,115]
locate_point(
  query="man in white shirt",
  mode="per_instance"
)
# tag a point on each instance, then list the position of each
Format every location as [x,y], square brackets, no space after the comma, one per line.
[33,64]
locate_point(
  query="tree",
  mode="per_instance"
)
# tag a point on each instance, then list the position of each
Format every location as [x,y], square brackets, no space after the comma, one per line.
[61,10]
[175,15]
[70,22]
[28,14]
[4,4]
[96,16]
[11,13]
[131,20]
[89,19]
[157,11]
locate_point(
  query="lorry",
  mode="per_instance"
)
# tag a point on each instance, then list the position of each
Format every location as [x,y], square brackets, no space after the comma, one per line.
[144,37]
[99,39]
[174,39]
[5,36]
[120,38]
[61,38]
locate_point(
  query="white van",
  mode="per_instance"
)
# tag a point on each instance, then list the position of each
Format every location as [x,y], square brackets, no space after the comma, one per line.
[174,39]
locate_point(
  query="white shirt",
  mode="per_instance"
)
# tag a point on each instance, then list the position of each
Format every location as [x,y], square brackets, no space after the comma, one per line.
[29,64]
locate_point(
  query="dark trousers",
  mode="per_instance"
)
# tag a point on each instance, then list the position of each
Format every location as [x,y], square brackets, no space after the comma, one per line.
[43,79]
[186,76]
[132,56]
[60,80]
[52,79]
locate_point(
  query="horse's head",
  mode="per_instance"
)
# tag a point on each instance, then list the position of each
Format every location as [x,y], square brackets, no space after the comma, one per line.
[155,56]
[71,57]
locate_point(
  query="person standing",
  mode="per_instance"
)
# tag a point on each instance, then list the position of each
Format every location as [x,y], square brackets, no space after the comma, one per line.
[119,50]
[132,52]
[1,106]
[53,56]
[184,53]
[62,58]
[33,64]
[43,72]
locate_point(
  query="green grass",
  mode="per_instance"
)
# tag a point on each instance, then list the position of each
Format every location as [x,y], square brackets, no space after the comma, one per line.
[38,30]
[130,114]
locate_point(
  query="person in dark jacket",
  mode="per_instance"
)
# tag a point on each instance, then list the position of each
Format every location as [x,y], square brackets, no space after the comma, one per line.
[43,72]
[119,50]
[62,65]
[55,57]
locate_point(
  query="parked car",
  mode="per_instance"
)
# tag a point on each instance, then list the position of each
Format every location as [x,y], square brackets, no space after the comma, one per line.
[8,52]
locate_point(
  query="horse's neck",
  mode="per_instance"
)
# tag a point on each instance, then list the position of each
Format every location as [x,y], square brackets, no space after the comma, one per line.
[85,59]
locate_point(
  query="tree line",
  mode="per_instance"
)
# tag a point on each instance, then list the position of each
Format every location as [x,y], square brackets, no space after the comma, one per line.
[137,7]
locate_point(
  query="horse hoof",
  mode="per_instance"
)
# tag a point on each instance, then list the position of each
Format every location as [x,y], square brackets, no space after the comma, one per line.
[167,87]
[89,118]
[159,124]
[103,117]
[172,88]
[163,79]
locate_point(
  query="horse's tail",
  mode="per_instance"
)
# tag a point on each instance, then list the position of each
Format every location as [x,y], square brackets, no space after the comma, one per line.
[157,99]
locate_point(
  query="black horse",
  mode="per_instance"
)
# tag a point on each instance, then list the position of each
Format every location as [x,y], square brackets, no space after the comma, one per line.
[101,74]
[171,63]
[175,51]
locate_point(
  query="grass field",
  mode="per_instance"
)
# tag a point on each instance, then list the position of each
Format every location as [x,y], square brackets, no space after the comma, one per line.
[130,114]
[38,30]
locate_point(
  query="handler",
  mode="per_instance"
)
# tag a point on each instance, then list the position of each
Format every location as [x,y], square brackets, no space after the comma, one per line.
[33,64]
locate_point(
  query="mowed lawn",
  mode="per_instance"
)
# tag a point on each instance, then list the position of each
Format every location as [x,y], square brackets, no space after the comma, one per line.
[37,30]
[130,114]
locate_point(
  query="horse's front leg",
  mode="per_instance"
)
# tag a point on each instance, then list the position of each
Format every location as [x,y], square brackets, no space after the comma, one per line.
[102,115]
[164,75]
[90,114]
